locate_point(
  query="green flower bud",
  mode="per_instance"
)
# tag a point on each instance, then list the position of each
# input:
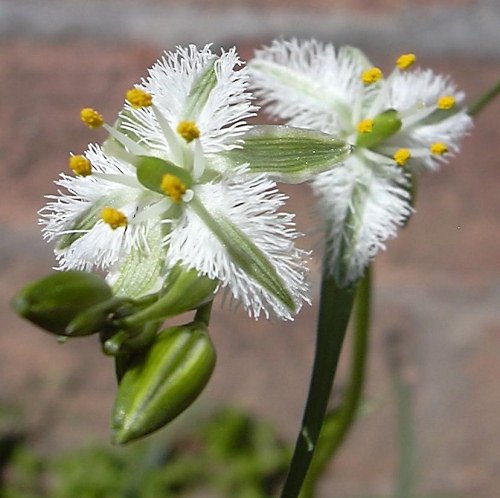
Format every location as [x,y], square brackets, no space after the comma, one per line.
[184,290]
[162,381]
[382,127]
[54,301]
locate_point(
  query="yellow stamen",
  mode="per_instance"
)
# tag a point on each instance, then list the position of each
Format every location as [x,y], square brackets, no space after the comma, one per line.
[439,148]
[405,61]
[188,130]
[173,187]
[365,126]
[80,165]
[401,156]
[446,102]
[91,118]
[113,218]
[371,75]
[139,98]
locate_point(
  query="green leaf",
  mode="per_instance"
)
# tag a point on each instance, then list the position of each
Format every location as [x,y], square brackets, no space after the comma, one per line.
[200,91]
[150,171]
[245,254]
[385,125]
[140,270]
[285,154]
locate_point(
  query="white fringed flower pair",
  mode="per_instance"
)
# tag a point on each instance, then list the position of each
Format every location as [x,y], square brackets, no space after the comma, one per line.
[183,179]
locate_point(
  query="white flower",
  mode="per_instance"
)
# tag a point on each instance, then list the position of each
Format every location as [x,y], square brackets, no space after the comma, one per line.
[155,195]
[402,124]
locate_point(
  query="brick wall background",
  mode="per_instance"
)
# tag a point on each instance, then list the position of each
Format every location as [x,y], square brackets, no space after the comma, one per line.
[438,283]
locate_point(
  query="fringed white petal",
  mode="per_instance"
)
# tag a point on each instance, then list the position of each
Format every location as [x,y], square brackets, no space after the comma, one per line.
[420,88]
[308,84]
[98,246]
[251,204]
[170,81]
[363,205]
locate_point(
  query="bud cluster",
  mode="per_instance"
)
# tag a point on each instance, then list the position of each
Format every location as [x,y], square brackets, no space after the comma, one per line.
[160,372]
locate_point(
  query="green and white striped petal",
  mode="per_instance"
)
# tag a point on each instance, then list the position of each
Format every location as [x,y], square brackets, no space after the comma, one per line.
[363,205]
[285,154]
[232,232]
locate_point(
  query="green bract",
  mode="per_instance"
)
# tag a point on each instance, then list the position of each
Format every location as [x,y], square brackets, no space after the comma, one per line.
[285,154]
[54,301]
[183,290]
[163,381]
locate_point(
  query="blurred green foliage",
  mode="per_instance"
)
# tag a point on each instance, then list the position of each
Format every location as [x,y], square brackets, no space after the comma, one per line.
[228,455]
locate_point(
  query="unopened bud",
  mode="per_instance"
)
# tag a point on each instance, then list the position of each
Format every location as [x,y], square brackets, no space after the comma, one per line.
[162,381]
[54,301]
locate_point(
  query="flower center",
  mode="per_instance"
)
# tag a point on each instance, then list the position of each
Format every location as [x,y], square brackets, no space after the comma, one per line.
[173,187]
[80,165]
[188,130]
[113,217]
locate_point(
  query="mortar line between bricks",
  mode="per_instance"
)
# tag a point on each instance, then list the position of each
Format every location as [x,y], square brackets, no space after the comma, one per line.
[440,30]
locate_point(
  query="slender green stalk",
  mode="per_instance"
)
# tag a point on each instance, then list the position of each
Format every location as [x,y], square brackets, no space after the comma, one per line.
[406,438]
[334,311]
[203,313]
[484,100]
[339,422]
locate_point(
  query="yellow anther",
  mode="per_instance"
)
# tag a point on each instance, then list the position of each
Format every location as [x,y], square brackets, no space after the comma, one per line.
[446,102]
[80,165]
[401,156]
[139,98]
[405,61]
[188,130]
[113,218]
[173,187]
[91,118]
[439,148]
[365,126]
[371,75]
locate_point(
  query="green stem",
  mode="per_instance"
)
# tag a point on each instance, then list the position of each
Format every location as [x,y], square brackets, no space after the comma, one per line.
[338,423]
[334,311]
[484,100]
[406,439]
[203,313]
